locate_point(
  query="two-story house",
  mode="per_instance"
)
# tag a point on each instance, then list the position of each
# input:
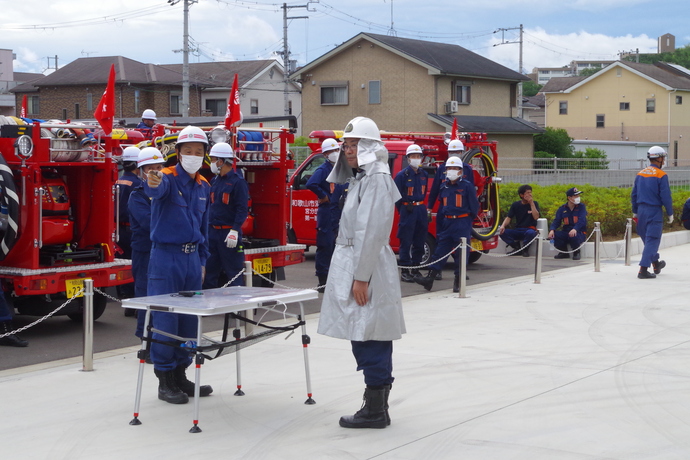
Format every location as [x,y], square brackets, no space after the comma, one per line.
[414,85]
[625,101]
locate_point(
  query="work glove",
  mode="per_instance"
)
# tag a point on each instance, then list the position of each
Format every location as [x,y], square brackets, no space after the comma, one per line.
[154,178]
[231,239]
[670,219]
[635,218]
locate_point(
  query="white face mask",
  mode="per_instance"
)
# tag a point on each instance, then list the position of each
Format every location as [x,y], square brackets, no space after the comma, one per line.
[214,168]
[576,200]
[191,163]
[452,174]
[415,162]
[333,156]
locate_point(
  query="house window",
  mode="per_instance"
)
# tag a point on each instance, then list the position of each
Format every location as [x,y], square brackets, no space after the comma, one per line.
[679,100]
[651,105]
[374,91]
[563,108]
[217,107]
[462,93]
[289,107]
[254,106]
[64,114]
[619,72]
[89,102]
[33,107]
[625,105]
[76,111]
[334,93]
[600,121]
[175,100]
[137,97]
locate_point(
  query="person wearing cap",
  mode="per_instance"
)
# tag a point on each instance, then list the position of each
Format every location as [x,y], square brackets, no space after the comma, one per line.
[328,212]
[362,302]
[573,218]
[179,235]
[525,212]
[228,210]
[412,226]
[148,119]
[459,206]
[651,193]
[126,183]
[139,207]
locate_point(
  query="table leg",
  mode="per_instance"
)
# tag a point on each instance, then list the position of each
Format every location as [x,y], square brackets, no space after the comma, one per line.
[237,333]
[198,361]
[306,340]
[141,354]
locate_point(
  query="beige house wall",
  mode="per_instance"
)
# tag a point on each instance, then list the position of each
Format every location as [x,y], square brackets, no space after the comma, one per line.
[490,98]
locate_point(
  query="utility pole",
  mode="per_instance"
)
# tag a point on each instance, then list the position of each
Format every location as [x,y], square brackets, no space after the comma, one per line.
[286,50]
[504,42]
[56,62]
[184,105]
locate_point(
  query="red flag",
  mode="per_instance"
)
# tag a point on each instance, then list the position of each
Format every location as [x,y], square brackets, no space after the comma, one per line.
[232,115]
[454,130]
[105,112]
[25,110]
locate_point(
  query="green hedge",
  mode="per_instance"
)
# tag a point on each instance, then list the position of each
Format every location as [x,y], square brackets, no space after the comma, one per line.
[608,205]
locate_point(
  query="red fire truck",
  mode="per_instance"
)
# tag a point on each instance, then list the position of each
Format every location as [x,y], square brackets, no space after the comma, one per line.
[481,153]
[59,191]
[264,160]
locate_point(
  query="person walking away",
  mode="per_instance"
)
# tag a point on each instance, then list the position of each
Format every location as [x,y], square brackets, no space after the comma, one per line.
[179,236]
[327,215]
[573,216]
[650,193]
[362,302]
[228,210]
[460,207]
[413,224]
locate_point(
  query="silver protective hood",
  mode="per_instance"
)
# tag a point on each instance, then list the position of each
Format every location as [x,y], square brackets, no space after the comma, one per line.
[369,151]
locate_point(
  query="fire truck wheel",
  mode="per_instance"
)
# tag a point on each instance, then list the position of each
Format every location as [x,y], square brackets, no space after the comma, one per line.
[474,256]
[11,200]
[99,304]
[429,248]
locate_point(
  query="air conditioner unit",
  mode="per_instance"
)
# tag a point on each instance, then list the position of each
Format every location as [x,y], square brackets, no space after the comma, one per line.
[451,107]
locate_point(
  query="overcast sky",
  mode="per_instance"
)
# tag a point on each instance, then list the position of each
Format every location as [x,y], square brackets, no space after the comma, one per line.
[555,31]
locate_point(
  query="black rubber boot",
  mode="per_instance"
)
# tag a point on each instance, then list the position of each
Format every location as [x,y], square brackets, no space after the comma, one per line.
[658,266]
[406,276]
[644,274]
[168,390]
[386,394]
[428,280]
[515,249]
[187,386]
[11,340]
[456,283]
[373,412]
[322,283]
[576,255]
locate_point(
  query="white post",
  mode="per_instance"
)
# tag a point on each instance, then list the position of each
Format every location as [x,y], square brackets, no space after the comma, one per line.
[87,364]
[628,241]
[597,247]
[463,269]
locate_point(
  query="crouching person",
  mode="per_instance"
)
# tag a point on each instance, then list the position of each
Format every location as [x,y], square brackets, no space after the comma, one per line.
[362,301]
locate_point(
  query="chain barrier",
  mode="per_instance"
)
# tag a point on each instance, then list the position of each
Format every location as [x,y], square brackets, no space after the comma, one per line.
[22,329]
[514,252]
[621,249]
[241,272]
[104,294]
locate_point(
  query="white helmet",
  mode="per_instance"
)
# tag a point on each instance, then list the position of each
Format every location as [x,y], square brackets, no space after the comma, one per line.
[656,152]
[454,161]
[192,134]
[328,145]
[362,128]
[150,156]
[148,115]
[130,153]
[221,150]
[456,146]
[414,148]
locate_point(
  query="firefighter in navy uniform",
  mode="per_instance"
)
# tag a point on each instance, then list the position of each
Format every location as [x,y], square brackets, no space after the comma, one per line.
[412,226]
[228,211]
[460,207]
[573,216]
[139,205]
[179,233]
[650,193]
[327,215]
[126,183]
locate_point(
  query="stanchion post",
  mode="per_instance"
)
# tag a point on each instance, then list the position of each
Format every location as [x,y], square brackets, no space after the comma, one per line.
[248,273]
[537,260]
[463,269]
[87,361]
[248,281]
[628,241]
[597,247]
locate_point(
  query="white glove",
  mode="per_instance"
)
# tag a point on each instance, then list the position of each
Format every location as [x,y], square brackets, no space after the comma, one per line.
[231,239]
[670,219]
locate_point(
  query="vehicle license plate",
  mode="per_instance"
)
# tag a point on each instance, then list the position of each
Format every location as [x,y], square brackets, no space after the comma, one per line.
[263,265]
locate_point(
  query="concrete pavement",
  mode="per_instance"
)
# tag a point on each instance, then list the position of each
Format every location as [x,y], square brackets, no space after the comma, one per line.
[584,365]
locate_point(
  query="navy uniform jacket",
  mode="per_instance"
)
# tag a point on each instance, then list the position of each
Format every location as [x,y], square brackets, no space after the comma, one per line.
[179,210]
[411,185]
[651,188]
[467,174]
[127,182]
[459,198]
[571,219]
[229,201]
[140,219]
[328,213]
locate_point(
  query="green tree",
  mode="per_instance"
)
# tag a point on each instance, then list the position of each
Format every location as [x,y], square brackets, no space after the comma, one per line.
[300,141]
[591,159]
[555,141]
[589,71]
[530,88]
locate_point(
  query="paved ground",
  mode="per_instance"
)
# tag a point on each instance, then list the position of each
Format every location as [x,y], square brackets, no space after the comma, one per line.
[584,365]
